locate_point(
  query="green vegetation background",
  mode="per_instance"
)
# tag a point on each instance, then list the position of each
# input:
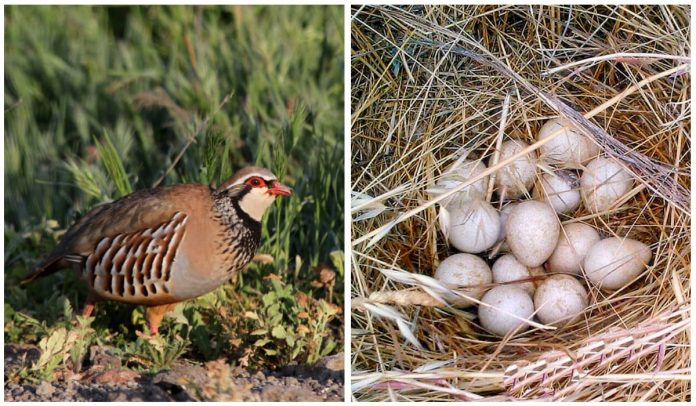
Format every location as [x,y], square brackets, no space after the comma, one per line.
[100,101]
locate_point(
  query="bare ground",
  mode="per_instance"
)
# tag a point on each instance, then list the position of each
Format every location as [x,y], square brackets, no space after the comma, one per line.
[106,380]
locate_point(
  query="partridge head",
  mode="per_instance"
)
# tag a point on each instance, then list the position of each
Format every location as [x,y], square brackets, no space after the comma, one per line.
[161,246]
[257,189]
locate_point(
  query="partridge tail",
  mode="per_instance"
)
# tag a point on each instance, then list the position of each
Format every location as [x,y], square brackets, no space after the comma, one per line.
[50,266]
[38,273]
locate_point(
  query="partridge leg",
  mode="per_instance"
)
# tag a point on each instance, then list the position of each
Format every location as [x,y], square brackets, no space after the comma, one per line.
[154,315]
[89,305]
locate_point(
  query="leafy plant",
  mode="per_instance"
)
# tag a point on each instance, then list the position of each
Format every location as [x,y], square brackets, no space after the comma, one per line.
[286,325]
[66,345]
[155,353]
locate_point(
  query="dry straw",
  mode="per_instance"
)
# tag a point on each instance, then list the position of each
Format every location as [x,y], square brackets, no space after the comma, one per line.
[431,83]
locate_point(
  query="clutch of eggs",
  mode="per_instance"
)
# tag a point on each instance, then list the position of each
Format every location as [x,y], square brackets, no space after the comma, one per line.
[544,274]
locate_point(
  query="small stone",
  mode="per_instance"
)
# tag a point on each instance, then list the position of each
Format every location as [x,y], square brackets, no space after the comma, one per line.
[332,362]
[45,390]
[113,377]
[102,356]
[70,388]
[183,375]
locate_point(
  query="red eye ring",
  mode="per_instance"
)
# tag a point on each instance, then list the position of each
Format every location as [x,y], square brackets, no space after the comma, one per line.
[255,182]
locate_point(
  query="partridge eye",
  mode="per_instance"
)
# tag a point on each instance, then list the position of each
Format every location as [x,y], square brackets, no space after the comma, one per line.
[255,182]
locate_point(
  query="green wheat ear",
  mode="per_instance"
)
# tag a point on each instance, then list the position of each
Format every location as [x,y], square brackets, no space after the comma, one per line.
[113,164]
[90,182]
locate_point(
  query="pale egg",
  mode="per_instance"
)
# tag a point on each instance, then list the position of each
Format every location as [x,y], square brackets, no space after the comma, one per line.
[614,262]
[575,241]
[507,269]
[570,148]
[504,303]
[560,300]
[517,178]
[560,189]
[603,183]
[532,231]
[455,177]
[474,225]
[467,273]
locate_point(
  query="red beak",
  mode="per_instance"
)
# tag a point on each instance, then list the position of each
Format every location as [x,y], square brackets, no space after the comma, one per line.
[279,189]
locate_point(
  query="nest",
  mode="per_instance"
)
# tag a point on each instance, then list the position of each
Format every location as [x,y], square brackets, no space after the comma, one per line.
[432,82]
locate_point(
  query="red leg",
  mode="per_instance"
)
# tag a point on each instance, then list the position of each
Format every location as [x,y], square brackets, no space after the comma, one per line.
[89,305]
[155,314]
[88,309]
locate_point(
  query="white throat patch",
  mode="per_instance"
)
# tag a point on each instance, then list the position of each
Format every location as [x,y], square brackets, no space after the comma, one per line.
[256,202]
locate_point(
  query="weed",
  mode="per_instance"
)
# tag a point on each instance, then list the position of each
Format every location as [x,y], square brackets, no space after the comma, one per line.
[65,345]
[285,325]
[153,354]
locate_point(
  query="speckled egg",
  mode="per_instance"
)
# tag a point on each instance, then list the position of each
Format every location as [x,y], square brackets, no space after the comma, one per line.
[560,300]
[507,269]
[532,231]
[462,271]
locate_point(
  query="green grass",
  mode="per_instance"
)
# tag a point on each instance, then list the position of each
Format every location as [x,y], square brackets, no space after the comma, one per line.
[100,101]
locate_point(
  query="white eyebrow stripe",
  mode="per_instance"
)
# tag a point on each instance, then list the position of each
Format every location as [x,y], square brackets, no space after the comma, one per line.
[252,175]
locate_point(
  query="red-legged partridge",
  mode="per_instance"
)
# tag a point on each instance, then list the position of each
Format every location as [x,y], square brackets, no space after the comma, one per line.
[162,246]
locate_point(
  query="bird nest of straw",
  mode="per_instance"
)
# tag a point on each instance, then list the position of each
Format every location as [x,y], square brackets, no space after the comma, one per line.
[432,82]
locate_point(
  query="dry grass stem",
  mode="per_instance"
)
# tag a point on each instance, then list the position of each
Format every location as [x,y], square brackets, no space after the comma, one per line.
[435,85]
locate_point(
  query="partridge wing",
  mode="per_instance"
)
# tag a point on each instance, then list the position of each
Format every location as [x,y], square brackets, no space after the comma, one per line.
[132,214]
[136,266]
